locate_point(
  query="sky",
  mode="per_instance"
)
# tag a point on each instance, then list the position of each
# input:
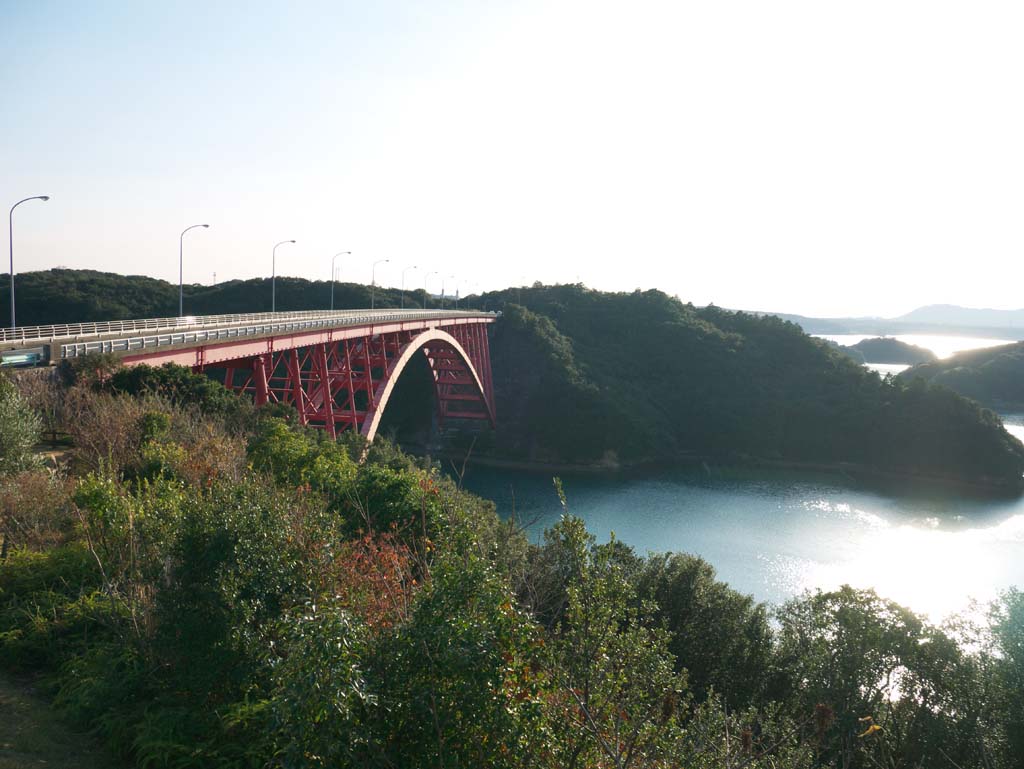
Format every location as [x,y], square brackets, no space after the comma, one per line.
[821,158]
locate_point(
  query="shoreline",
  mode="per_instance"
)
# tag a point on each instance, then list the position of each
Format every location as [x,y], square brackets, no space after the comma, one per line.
[848,472]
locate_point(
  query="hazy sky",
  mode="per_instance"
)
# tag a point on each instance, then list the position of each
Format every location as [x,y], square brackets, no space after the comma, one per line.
[815,157]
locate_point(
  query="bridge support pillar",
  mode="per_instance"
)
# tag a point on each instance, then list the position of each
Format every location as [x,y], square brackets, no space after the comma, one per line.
[259,375]
[346,383]
[325,394]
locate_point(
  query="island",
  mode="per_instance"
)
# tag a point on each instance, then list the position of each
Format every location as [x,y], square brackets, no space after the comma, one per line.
[888,350]
[993,376]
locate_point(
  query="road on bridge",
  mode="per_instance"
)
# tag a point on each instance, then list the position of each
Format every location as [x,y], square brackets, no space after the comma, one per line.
[338,368]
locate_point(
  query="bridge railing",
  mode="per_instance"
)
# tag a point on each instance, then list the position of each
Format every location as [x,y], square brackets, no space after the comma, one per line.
[272,324]
[188,322]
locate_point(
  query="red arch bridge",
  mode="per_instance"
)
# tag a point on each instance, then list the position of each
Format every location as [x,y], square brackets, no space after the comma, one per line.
[338,368]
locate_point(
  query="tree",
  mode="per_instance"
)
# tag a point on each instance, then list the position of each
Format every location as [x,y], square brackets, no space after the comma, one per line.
[1008,634]
[459,683]
[617,700]
[20,427]
[903,693]
[719,636]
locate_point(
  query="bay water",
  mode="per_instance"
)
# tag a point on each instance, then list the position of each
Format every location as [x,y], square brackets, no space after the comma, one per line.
[775,535]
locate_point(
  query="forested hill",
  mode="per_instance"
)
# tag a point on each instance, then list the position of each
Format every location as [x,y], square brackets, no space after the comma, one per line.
[585,375]
[993,376]
[69,296]
[889,350]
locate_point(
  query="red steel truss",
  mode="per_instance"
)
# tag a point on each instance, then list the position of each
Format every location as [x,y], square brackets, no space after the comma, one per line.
[345,383]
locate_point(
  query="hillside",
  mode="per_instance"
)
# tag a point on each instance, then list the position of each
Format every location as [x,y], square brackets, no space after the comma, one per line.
[993,376]
[68,296]
[584,376]
[251,594]
[888,350]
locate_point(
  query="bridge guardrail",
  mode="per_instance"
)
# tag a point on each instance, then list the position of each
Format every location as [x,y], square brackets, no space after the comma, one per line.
[59,330]
[337,319]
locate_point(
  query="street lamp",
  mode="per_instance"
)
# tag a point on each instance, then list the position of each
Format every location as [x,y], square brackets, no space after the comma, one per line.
[181,241]
[413,267]
[373,279]
[10,220]
[442,290]
[462,283]
[341,253]
[273,276]
[426,296]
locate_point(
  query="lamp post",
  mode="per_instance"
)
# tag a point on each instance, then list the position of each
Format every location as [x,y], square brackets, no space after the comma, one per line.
[460,284]
[442,290]
[181,247]
[10,219]
[413,267]
[373,279]
[340,253]
[426,295]
[273,276]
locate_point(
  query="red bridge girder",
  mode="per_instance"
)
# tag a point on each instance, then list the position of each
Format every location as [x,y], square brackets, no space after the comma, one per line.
[346,383]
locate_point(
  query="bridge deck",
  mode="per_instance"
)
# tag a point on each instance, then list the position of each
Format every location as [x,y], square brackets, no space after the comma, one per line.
[151,337]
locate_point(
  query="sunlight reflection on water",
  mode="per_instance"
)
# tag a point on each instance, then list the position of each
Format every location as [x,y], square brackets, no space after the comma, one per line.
[943,346]
[934,570]
[775,536]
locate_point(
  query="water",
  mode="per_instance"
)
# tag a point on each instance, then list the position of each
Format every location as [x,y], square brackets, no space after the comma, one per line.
[777,535]
[1014,424]
[942,346]
[887,368]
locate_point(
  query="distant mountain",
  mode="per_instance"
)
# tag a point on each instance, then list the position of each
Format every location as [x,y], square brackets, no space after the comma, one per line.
[934,319]
[952,315]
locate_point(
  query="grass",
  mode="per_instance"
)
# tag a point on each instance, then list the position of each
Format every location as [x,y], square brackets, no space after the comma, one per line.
[32,735]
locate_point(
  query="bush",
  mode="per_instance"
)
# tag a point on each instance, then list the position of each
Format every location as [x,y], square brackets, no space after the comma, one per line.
[106,430]
[49,606]
[182,387]
[233,568]
[720,636]
[459,683]
[321,698]
[35,510]
[19,430]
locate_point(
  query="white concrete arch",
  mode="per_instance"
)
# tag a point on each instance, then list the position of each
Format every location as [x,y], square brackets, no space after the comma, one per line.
[383,392]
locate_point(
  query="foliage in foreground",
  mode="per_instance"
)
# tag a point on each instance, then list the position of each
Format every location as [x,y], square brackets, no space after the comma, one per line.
[19,430]
[276,602]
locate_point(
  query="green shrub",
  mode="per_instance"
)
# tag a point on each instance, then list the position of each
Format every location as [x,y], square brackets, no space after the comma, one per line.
[721,637]
[322,701]
[233,569]
[182,387]
[20,428]
[459,683]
